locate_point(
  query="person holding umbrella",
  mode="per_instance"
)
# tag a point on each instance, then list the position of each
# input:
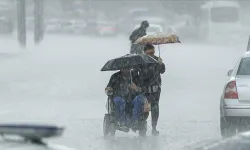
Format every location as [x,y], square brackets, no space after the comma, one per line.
[151,73]
[136,34]
[150,76]
[125,93]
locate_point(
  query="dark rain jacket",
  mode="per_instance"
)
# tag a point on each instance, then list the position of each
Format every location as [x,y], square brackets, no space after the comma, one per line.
[136,34]
[121,87]
[150,75]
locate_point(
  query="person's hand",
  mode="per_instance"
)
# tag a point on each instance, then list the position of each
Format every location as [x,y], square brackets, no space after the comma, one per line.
[109,91]
[133,86]
[160,60]
[147,106]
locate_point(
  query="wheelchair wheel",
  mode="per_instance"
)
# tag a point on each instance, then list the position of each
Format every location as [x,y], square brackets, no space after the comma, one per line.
[112,129]
[109,127]
[106,123]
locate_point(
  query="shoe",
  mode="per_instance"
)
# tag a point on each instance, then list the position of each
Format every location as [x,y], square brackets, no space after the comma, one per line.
[155,132]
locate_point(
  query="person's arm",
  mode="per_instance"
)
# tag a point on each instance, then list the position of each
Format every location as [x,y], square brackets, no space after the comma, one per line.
[131,36]
[134,36]
[136,82]
[162,68]
[110,89]
[112,81]
[144,33]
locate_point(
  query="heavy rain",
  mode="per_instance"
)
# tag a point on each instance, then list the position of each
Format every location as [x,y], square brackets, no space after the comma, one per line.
[52,53]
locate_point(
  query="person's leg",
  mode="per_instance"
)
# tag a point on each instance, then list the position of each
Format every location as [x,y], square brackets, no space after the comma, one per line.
[120,110]
[155,112]
[129,111]
[153,100]
[138,112]
[150,98]
[138,104]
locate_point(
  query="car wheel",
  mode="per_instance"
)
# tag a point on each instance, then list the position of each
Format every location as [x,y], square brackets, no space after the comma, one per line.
[228,127]
[223,127]
[243,124]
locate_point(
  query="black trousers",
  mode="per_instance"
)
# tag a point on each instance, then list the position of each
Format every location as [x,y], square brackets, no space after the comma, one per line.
[154,107]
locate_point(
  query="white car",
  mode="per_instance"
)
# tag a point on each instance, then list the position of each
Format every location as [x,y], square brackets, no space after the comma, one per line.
[152,29]
[52,26]
[106,28]
[235,100]
[73,26]
[78,26]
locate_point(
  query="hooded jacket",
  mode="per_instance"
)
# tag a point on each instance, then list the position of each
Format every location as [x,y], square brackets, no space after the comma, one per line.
[150,74]
[136,34]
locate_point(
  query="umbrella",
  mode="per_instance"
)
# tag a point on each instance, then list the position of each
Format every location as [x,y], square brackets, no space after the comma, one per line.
[157,39]
[127,61]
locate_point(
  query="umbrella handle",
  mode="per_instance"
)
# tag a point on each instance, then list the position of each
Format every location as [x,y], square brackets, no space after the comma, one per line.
[131,79]
[159,50]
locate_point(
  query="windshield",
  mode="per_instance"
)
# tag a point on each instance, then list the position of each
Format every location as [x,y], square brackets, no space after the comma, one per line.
[244,68]
[224,14]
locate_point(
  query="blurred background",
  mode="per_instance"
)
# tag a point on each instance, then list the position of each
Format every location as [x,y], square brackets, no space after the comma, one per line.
[190,18]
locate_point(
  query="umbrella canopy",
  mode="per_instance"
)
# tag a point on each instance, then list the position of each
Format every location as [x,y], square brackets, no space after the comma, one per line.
[127,61]
[158,39]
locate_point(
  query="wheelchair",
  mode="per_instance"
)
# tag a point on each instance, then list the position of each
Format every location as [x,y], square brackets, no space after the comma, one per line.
[111,124]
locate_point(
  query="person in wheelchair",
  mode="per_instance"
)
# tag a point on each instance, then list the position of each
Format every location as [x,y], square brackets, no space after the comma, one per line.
[130,103]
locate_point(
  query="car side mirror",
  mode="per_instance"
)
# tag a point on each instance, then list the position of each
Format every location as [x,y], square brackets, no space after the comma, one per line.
[229,73]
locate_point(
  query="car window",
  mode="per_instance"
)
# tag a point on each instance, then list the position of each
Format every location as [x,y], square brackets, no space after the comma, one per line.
[244,68]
